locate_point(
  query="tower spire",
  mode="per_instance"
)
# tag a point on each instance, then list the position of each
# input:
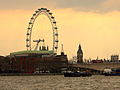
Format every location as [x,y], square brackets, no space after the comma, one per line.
[62,50]
[79,49]
[79,55]
[79,46]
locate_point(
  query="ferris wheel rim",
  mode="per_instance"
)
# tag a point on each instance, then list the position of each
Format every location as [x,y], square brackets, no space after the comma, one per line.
[53,23]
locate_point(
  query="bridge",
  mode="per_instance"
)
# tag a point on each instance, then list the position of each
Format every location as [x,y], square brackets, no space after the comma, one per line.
[97,66]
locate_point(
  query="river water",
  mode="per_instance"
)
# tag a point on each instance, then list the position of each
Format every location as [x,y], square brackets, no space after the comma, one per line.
[59,82]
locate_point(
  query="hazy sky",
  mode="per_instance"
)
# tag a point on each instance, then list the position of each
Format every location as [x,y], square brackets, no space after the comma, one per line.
[80,5]
[95,24]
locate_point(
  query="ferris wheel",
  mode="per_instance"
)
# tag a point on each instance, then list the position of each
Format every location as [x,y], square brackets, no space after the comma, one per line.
[38,12]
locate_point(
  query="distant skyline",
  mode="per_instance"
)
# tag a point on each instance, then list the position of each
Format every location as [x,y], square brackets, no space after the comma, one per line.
[95,24]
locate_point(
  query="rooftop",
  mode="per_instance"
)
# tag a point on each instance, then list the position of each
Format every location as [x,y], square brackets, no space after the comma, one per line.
[33,52]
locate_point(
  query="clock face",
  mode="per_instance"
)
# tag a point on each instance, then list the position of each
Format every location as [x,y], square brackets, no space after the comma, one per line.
[81,54]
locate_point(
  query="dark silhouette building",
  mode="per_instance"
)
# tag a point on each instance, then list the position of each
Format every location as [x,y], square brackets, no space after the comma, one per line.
[40,61]
[79,55]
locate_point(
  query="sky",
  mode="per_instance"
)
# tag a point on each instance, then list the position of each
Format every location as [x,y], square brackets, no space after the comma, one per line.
[95,24]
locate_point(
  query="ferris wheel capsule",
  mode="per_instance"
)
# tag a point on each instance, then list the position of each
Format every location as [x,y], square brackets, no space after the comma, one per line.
[27,39]
[27,45]
[52,17]
[56,40]
[55,28]
[56,34]
[42,8]
[30,23]
[32,18]
[29,28]
[28,34]
[56,47]
[45,8]
[36,11]
[34,14]
[39,9]
[54,22]
[50,13]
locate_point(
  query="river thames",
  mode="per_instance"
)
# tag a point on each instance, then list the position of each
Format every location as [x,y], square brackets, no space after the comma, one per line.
[59,82]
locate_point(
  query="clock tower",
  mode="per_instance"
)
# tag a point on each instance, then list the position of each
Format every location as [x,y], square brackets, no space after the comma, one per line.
[79,55]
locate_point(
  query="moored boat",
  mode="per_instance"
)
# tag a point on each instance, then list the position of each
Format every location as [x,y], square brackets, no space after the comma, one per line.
[112,72]
[77,74]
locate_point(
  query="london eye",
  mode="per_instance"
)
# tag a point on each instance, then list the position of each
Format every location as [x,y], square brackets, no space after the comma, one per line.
[51,18]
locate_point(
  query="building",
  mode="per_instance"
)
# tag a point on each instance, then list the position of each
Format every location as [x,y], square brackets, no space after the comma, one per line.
[41,61]
[73,60]
[32,61]
[79,55]
[114,58]
[97,61]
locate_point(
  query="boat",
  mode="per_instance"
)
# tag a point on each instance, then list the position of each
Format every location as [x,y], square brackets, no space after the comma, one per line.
[111,72]
[77,74]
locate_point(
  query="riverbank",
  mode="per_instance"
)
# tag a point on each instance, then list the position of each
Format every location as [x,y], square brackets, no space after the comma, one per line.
[29,74]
